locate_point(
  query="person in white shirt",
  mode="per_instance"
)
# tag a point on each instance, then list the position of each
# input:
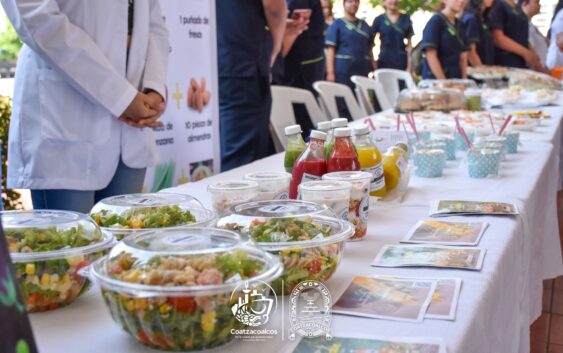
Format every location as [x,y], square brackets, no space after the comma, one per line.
[537,40]
[555,50]
[90,82]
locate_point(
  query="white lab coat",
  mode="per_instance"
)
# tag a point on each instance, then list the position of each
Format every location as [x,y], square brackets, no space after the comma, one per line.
[72,82]
[554,54]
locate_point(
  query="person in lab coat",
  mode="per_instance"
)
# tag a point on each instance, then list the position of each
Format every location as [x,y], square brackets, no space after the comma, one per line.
[89,84]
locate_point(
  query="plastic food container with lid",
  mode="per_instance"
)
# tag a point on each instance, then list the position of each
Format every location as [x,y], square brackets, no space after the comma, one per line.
[185,288]
[125,214]
[48,248]
[334,194]
[412,100]
[271,185]
[308,243]
[225,194]
[458,84]
[358,208]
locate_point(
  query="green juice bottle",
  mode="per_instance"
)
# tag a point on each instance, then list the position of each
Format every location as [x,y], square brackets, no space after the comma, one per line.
[295,146]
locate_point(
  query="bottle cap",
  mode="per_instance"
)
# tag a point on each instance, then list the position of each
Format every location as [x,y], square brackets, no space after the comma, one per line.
[323,126]
[362,130]
[319,135]
[342,132]
[340,122]
[292,130]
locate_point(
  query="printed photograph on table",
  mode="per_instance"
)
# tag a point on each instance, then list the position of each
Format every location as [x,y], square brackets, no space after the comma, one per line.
[386,298]
[371,345]
[444,300]
[461,207]
[446,233]
[430,256]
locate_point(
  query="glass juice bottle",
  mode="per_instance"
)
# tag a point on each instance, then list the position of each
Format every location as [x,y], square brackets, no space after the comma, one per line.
[343,157]
[295,146]
[370,160]
[311,165]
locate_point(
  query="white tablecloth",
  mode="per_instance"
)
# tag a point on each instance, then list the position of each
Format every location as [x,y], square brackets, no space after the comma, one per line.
[497,304]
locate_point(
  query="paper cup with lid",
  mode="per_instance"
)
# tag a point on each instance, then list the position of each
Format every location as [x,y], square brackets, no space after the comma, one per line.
[450,145]
[308,243]
[483,162]
[512,140]
[333,194]
[461,144]
[271,185]
[126,214]
[434,145]
[492,146]
[48,248]
[225,194]
[185,289]
[358,209]
[429,163]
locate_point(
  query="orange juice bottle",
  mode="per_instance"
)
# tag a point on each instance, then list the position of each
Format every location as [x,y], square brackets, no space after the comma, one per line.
[370,160]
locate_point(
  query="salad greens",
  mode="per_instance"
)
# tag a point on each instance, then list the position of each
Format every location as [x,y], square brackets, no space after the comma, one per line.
[48,239]
[146,217]
[286,229]
[184,322]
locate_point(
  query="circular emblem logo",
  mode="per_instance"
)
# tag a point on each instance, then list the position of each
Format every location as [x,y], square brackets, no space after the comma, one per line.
[310,310]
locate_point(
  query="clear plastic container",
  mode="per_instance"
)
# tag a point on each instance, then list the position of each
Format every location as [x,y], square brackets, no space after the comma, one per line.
[457,84]
[175,289]
[225,194]
[271,185]
[125,214]
[333,194]
[412,100]
[358,208]
[48,248]
[308,243]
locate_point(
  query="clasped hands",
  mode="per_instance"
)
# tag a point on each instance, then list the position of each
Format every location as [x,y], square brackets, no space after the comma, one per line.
[144,110]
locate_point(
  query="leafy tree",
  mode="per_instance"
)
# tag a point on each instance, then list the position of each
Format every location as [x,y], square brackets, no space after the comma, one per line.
[10,198]
[411,6]
[10,44]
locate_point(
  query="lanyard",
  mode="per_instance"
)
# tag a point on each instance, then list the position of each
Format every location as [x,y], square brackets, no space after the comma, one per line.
[356,28]
[452,30]
[388,23]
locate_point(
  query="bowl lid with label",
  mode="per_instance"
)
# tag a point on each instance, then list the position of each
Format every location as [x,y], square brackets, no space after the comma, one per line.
[183,261]
[50,234]
[149,211]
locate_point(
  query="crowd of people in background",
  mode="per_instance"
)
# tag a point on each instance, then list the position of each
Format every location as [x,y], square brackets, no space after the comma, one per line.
[297,42]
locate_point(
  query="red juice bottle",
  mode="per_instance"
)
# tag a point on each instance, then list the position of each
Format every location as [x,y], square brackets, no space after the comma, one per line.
[343,157]
[311,165]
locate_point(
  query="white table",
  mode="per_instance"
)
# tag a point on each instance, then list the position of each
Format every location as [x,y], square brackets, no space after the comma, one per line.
[497,305]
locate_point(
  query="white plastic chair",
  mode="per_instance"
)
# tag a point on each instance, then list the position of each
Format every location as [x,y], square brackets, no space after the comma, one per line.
[363,86]
[389,81]
[328,91]
[282,113]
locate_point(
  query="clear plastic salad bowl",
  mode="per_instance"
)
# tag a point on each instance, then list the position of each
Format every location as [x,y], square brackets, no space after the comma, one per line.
[308,243]
[126,214]
[177,289]
[48,249]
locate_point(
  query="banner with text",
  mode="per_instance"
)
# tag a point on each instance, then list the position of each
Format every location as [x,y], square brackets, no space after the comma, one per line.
[188,143]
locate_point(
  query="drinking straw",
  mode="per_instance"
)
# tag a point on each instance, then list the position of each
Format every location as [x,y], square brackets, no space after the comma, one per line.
[406,132]
[370,123]
[398,122]
[410,120]
[464,135]
[492,124]
[505,125]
